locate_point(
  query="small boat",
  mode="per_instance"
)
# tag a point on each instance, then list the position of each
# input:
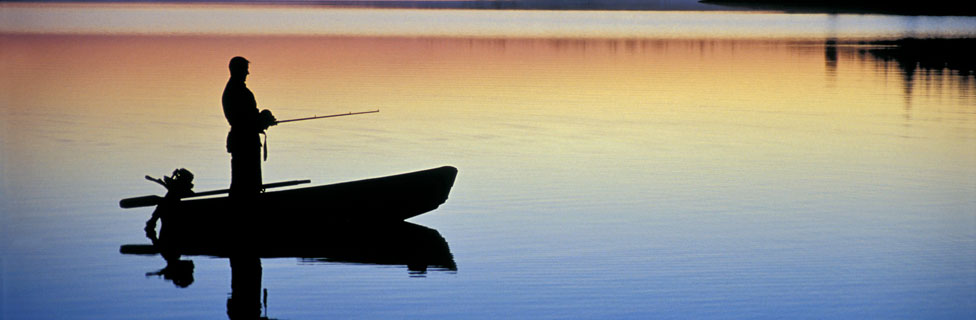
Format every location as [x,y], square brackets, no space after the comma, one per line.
[309,210]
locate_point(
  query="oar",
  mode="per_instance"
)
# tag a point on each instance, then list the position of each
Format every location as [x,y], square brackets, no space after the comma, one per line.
[147,201]
[139,249]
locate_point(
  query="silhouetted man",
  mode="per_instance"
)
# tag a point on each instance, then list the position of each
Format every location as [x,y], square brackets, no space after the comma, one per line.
[246,123]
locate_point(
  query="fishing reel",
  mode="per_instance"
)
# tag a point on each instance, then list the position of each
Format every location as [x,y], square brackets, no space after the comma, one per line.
[266,119]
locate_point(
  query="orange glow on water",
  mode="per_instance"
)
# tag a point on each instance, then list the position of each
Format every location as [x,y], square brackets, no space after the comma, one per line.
[622,91]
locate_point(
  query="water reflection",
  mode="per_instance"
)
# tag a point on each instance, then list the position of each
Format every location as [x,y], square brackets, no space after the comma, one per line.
[419,248]
[935,62]
[830,55]
[938,62]
[245,300]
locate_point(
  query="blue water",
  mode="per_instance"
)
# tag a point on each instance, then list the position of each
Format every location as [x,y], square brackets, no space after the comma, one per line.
[600,178]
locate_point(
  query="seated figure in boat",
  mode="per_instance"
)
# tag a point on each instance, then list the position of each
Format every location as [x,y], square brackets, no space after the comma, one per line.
[246,123]
[179,185]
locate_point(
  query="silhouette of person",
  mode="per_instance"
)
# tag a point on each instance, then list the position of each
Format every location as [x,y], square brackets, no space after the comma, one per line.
[246,123]
[178,186]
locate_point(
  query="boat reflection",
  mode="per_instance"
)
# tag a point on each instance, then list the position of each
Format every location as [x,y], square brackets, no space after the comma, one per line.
[419,248]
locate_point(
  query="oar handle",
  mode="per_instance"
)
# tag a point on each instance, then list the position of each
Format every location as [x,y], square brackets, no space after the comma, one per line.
[139,249]
[143,201]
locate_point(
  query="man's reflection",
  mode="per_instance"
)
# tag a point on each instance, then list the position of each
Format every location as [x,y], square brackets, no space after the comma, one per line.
[245,297]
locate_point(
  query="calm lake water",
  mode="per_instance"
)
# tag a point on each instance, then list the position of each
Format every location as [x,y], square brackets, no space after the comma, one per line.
[624,165]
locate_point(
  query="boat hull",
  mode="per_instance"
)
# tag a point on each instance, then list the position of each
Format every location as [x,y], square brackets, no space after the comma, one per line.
[313,210]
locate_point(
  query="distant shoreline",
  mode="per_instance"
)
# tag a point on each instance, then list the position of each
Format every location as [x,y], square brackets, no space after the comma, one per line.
[568,5]
[928,8]
[146,18]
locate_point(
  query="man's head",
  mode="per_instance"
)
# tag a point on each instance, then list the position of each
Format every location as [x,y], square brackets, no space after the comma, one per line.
[238,67]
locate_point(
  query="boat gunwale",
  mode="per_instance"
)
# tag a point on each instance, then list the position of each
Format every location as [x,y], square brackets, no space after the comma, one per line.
[283,192]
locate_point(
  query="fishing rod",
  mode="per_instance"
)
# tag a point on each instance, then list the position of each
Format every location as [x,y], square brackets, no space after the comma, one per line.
[265,144]
[328,116]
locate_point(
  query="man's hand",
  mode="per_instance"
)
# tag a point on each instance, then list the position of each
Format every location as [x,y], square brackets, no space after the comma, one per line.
[266,119]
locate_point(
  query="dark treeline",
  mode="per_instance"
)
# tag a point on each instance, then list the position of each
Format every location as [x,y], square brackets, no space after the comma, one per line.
[932,7]
[469,4]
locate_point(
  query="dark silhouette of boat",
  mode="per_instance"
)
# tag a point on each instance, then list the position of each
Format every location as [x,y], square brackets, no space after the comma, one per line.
[284,213]
[388,243]
[300,222]
[396,243]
